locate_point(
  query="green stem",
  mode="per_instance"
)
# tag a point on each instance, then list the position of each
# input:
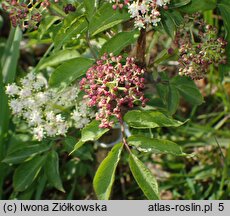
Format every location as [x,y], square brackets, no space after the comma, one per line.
[124,136]
[36,69]
[90,45]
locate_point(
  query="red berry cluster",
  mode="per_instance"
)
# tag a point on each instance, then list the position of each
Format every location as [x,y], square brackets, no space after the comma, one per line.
[111,84]
[69,8]
[199,50]
[25,15]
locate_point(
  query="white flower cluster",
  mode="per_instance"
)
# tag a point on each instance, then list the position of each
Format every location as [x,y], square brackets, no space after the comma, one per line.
[146,12]
[46,110]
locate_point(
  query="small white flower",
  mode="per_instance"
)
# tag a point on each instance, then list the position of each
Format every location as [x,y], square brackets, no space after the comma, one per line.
[12,89]
[38,133]
[38,106]
[68,96]
[16,106]
[160,2]
[29,103]
[144,8]
[146,12]
[50,116]
[26,115]
[35,117]
[82,115]
[62,128]
[26,82]
[139,24]
[76,116]
[156,21]
[50,130]
[31,76]
[39,83]
[59,118]
[134,9]
[42,98]
[25,92]
[84,122]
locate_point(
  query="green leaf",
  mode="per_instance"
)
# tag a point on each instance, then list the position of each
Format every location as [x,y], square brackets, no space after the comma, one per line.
[145,144]
[105,175]
[198,5]
[40,186]
[149,119]
[90,132]
[89,8]
[58,58]
[162,56]
[178,3]
[69,71]
[170,20]
[46,24]
[78,145]
[52,170]
[25,153]
[26,173]
[10,56]
[168,24]
[57,9]
[176,17]
[1,21]
[224,7]
[187,89]
[8,67]
[162,90]
[4,170]
[68,31]
[117,43]
[224,70]
[4,117]
[173,99]
[83,153]
[106,18]
[144,178]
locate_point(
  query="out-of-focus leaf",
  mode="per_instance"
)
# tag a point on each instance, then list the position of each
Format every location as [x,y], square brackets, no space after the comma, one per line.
[1,21]
[187,89]
[52,170]
[26,173]
[224,7]
[8,66]
[173,99]
[178,3]
[25,152]
[198,5]
[10,57]
[168,24]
